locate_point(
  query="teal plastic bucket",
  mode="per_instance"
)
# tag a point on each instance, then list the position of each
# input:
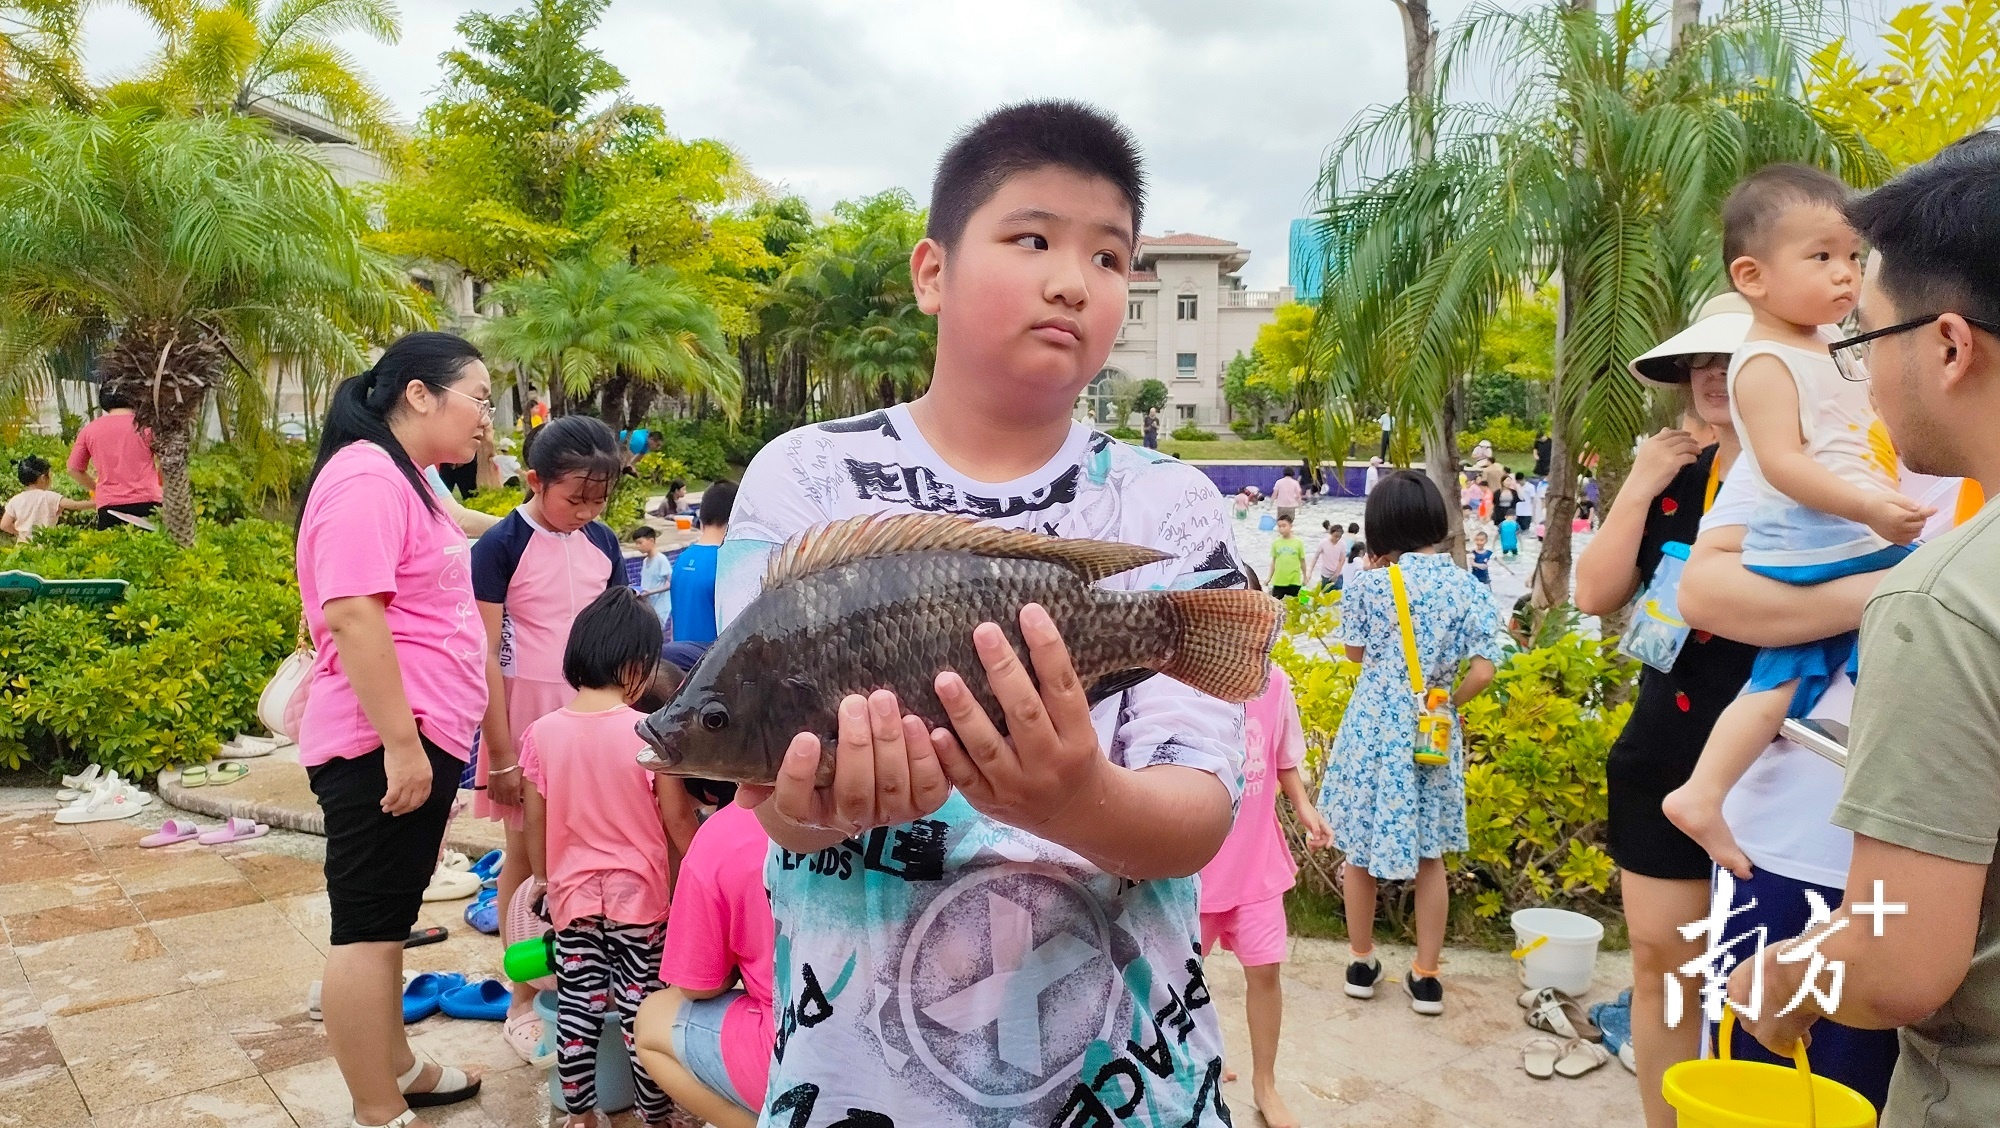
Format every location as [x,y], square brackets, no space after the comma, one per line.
[614,1065]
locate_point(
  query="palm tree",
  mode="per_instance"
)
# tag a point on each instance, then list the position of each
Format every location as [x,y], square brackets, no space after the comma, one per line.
[586,323]
[848,306]
[38,52]
[205,244]
[1602,172]
[229,56]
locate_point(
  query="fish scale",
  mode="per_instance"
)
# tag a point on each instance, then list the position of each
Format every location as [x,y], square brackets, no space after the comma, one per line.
[837,618]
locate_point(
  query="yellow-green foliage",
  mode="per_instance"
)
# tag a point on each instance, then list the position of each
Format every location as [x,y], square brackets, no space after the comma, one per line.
[1535,745]
[1942,80]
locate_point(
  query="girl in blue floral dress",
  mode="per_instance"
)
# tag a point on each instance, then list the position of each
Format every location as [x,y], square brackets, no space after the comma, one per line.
[1394,818]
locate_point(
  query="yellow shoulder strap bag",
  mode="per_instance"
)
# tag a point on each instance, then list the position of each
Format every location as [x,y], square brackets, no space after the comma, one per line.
[1433,743]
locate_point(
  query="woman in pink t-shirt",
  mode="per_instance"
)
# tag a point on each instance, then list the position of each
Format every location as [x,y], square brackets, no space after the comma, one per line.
[113,459]
[395,695]
[599,831]
[1243,888]
[707,1038]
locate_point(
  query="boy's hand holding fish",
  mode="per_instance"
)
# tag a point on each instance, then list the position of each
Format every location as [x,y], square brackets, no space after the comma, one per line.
[885,773]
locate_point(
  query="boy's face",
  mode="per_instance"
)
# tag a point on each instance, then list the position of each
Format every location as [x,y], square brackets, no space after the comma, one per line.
[1479,540]
[1034,293]
[1808,271]
[1284,527]
[646,544]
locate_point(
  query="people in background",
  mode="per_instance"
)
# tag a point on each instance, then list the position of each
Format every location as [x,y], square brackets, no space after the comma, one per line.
[1544,450]
[693,593]
[655,575]
[1481,559]
[1288,560]
[1388,422]
[113,459]
[1287,493]
[36,506]
[1151,430]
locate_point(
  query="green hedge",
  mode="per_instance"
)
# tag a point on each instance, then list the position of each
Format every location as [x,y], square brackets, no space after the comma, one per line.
[1535,748]
[161,678]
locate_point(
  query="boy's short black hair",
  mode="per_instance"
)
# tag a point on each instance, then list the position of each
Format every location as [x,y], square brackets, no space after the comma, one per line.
[1759,199]
[1022,138]
[31,469]
[614,643]
[110,400]
[1936,229]
[644,531]
[1405,513]
[717,502]
[1354,527]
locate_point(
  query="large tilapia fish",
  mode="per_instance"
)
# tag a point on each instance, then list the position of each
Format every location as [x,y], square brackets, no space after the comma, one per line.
[887,602]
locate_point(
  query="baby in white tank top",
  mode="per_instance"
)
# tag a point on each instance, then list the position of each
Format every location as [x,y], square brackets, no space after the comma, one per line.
[1820,462]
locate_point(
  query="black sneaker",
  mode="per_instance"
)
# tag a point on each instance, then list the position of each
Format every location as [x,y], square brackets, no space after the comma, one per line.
[1425,992]
[1362,976]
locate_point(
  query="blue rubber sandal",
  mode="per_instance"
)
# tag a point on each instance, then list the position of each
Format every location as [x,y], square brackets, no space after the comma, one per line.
[488,866]
[484,912]
[485,1001]
[420,996]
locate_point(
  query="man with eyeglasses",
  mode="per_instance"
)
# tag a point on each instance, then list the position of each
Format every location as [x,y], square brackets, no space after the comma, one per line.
[1916,945]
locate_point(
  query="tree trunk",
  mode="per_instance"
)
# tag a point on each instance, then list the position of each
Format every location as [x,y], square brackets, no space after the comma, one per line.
[1686,14]
[1441,465]
[1552,568]
[611,401]
[1419,70]
[639,399]
[170,445]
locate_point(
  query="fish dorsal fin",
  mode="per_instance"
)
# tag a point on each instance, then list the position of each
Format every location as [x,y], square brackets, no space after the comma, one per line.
[874,535]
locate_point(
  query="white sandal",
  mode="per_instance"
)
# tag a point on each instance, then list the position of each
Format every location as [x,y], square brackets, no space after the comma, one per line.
[1538,1057]
[408,1118]
[1553,1012]
[1580,1057]
[452,1087]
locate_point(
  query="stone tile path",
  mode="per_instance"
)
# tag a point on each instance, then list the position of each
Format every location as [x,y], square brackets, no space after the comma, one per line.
[166,988]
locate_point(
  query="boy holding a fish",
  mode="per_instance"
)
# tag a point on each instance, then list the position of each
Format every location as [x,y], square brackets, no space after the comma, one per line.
[984,889]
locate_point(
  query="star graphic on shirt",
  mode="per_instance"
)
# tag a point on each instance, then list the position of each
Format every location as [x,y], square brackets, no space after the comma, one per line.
[1011,996]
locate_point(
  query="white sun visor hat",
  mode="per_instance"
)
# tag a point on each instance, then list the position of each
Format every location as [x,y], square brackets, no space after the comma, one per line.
[1720,327]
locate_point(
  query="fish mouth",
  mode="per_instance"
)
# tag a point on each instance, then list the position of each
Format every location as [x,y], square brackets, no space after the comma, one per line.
[663,753]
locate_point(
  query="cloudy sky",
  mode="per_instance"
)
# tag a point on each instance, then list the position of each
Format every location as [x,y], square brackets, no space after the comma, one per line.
[1234,100]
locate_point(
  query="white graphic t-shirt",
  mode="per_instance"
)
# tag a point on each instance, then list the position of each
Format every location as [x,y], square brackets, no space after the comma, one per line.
[956,970]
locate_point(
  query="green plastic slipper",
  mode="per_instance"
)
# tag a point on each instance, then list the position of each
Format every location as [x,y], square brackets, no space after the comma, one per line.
[194,777]
[229,771]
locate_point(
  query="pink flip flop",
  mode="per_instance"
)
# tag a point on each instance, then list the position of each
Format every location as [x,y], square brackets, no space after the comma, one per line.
[171,831]
[235,830]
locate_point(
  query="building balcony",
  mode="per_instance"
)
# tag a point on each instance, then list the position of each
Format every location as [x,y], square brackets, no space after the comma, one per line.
[1254,299]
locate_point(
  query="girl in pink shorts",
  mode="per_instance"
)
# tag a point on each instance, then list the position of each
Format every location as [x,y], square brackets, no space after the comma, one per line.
[532,574]
[1243,888]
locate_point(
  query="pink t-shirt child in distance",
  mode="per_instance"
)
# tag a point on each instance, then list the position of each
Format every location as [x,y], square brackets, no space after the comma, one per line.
[366,532]
[722,926]
[120,456]
[606,847]
[1287,493]
[1254,863]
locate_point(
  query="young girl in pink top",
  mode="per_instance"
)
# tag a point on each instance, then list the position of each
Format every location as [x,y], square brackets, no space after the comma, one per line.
[605,838]
[532,574]
[1243,888]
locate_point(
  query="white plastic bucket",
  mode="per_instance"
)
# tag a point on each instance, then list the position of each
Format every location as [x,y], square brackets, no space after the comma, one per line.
[1556,948]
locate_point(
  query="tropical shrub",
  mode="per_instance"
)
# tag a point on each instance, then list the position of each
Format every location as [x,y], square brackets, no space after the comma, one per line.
[1503,432]
[1126,434]
[1535,747]
[1189,433]
[162,677]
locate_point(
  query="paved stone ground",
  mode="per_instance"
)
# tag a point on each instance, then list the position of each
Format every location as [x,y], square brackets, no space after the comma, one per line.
[158,988]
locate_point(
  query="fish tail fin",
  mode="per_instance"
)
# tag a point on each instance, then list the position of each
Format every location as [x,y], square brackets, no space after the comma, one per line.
[1225,641]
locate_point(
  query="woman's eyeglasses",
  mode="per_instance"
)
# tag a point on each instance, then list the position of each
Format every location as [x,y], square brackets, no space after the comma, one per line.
[485,405]
[1850,357]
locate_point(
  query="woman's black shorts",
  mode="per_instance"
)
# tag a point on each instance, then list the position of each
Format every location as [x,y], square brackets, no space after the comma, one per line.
[378,865]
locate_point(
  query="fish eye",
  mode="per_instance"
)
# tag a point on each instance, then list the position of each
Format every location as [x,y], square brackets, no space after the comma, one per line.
[715,717]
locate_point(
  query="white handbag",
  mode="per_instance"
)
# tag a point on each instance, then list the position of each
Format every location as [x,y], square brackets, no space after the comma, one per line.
[283,701]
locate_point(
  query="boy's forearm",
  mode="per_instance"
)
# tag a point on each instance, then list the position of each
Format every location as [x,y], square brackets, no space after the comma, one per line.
[1117,823]
[1718,594]
[1797,476]
[792,836]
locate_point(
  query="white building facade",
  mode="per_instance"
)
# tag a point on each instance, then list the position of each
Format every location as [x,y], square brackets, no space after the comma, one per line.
[1187,315]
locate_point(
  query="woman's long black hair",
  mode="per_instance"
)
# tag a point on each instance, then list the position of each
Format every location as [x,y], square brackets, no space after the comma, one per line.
[361,405]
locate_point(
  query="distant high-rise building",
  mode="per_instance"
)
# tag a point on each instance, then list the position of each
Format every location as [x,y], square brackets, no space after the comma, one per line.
[1307,266]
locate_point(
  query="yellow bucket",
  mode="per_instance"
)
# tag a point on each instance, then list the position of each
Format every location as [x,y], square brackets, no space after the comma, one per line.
[1720,1093]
